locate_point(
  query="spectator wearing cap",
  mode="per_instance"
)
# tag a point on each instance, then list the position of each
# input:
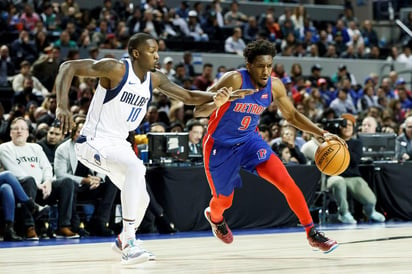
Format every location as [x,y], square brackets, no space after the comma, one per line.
[401,83]
[404,99]
[341,74]
[343,103]
[315,74]
[17,84]
[167,68]
[328,94]
[194,29]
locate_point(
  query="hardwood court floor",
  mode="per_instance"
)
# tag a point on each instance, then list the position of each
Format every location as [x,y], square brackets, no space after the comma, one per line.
[363,249]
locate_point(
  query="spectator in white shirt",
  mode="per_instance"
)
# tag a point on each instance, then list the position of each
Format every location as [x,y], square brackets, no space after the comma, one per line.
[235,43]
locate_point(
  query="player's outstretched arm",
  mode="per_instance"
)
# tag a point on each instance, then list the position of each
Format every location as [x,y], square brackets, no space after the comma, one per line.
[226,89]
[189,97]
[109,71]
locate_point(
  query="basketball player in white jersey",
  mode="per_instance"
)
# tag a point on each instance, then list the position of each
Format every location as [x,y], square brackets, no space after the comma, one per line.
[118,106]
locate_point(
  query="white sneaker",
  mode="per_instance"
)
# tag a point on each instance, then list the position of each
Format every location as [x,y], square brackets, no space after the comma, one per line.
[346,218]
[133,254]
[377,217]
[117,247]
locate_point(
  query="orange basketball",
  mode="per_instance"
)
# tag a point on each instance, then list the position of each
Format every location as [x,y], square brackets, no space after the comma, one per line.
[332,157]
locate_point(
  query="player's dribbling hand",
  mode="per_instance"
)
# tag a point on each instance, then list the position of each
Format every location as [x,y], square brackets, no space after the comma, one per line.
[64,116]
[327,136]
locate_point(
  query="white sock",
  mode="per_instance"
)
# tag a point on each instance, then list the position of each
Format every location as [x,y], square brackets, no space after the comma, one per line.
[128,232]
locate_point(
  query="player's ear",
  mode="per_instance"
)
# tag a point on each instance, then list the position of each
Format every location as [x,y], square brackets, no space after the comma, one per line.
[135,53]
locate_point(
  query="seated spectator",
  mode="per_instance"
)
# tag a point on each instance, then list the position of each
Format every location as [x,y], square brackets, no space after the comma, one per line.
[235,44]
[167,68]
[38,88]
[51,141]
[368,99]
[283,152]
[343,103]
[403,141]
[251,29]
[194,29]
[26,95]
[205,80]
[299,141]
[265,132]
[50,105]
[351,181]
[89,186]
[45,68]
[12,192]
[23,48]
[29,163]
[288,139]
[7,68]
[369,125]
[176,127]
[234,17]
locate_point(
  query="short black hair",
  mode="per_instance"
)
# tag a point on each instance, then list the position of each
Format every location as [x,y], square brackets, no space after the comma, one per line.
[259,47]
[136,40]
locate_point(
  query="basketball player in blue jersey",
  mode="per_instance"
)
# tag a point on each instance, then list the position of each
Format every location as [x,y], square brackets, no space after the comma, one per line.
[118,106]
[233,142]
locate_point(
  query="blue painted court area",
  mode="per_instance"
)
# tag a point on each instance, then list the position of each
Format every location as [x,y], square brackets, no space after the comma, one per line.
[155,236]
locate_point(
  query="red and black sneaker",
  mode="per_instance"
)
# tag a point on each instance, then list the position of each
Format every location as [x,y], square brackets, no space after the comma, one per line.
[320,241]
[221,230]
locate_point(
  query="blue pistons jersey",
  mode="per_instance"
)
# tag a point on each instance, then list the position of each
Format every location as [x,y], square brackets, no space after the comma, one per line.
[236,121]
[233,141]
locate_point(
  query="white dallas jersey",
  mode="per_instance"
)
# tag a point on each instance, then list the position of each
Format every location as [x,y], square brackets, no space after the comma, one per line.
[115,112]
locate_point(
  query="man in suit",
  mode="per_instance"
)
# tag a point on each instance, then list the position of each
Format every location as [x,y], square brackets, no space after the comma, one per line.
[195,129]
[88,185]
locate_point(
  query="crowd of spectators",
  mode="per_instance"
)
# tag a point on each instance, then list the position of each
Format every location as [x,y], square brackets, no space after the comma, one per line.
[39,36]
